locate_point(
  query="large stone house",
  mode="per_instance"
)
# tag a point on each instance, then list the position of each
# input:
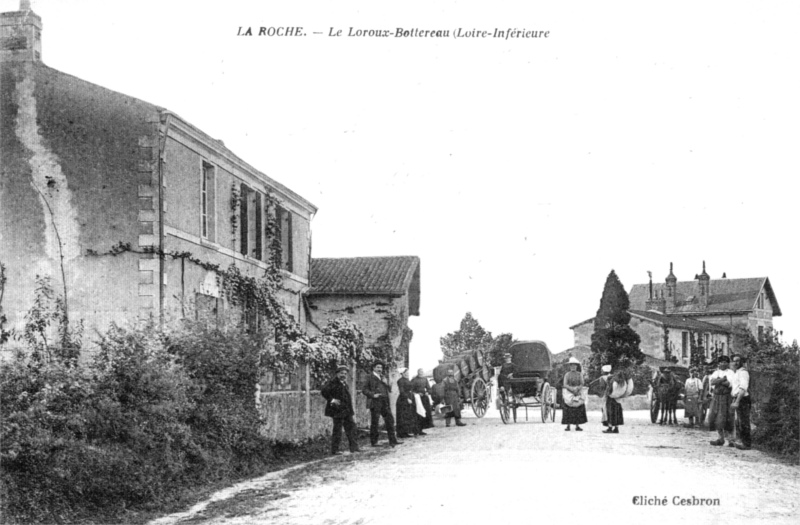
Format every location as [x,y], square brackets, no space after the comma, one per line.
[96,184]
[676,317]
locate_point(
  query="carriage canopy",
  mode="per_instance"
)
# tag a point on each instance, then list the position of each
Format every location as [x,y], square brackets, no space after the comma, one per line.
[531,357]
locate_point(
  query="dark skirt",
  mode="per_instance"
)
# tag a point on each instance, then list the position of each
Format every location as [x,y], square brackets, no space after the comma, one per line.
[613,413]
[573,415]
[406,417]
[720,415]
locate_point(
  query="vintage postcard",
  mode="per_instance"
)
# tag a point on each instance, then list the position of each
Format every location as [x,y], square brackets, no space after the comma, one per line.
[443,176]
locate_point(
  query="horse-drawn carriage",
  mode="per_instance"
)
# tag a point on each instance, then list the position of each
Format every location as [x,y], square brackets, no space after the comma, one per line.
[474,377]
[528,386]
[666,388]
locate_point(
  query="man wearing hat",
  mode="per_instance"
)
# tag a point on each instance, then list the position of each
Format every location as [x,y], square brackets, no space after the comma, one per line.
[506,372]
[339,407]
[720,415]
[377,392]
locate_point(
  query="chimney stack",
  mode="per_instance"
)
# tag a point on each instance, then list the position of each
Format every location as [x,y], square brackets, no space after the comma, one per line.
[672,289]
[21,34]
[655,302]
[704,281]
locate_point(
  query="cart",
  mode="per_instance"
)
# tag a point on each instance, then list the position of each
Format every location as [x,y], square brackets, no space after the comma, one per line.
[474,376]
[528,387]
[679,376]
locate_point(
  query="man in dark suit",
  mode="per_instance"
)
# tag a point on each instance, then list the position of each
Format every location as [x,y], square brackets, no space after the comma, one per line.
[340,409]
[377,392]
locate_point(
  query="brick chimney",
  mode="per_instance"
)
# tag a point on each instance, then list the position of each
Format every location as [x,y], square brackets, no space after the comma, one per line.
[703,282]
[21,34]
[672,289]
[654,302]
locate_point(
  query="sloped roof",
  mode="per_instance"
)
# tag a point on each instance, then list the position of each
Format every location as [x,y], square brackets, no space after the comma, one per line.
[679,321]
[724,296]
[368,276]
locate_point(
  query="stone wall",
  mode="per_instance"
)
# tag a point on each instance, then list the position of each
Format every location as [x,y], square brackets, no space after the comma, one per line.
[640,402]
[583,333]
[284,416]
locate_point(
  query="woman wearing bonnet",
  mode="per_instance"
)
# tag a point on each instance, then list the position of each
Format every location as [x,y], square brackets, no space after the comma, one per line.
[612,410]
[574,408]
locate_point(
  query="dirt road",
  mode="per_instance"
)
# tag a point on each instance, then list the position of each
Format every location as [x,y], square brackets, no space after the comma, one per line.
[529,471]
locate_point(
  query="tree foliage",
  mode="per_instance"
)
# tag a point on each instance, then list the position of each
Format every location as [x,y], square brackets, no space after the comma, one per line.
[774,368]
[614,342]
[500,346]
[470,336]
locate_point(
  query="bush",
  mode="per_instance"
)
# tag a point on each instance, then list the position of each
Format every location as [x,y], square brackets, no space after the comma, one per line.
[776,408]
[154,412]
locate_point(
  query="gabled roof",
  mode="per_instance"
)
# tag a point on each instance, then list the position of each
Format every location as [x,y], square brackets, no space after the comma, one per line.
[589,320]
[368,276]
[725,296]
[679,321]
[579,352]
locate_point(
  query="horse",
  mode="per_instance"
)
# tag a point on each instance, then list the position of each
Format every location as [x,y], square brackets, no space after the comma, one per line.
[667,390]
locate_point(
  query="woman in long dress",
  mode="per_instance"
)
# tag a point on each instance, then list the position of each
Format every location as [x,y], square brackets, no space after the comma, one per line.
[422,387]
[692,402]
[406,411]
[574,409]
[612,418]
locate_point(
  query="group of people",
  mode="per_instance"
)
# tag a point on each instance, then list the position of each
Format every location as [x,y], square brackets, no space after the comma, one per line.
[414,406]
[573,410]
[724,391]
[729,407]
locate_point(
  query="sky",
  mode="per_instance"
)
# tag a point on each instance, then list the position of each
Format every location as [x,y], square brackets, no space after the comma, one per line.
[520,171]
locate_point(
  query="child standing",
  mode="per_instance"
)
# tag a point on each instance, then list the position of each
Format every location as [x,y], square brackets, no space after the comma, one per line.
[692,401]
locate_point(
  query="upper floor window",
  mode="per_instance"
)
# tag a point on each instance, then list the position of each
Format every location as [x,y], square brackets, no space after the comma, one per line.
[761,300]
[208,194]
[284,220]
[684,344]
[251,220]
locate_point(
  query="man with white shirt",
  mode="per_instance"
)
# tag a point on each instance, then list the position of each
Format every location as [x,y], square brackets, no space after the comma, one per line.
[740,393]
[720,415]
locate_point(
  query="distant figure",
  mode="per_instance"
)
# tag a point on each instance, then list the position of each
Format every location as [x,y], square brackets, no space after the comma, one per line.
[692,402]
[740,392]
[422,389]
[612,413]
[707,394]
[506,372]
[405,407]
[377,392]
[574,410]
[452,397]
[339,407]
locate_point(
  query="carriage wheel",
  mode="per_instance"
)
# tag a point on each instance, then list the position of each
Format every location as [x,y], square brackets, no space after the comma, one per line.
[479,398]
[505,414]
[552,402]
[545,402]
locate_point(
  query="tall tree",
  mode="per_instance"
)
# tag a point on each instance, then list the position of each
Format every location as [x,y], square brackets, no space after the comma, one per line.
[470,336]
[500,346]
[614,342]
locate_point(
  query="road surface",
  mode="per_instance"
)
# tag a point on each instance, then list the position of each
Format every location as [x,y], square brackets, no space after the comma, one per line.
[522,473]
